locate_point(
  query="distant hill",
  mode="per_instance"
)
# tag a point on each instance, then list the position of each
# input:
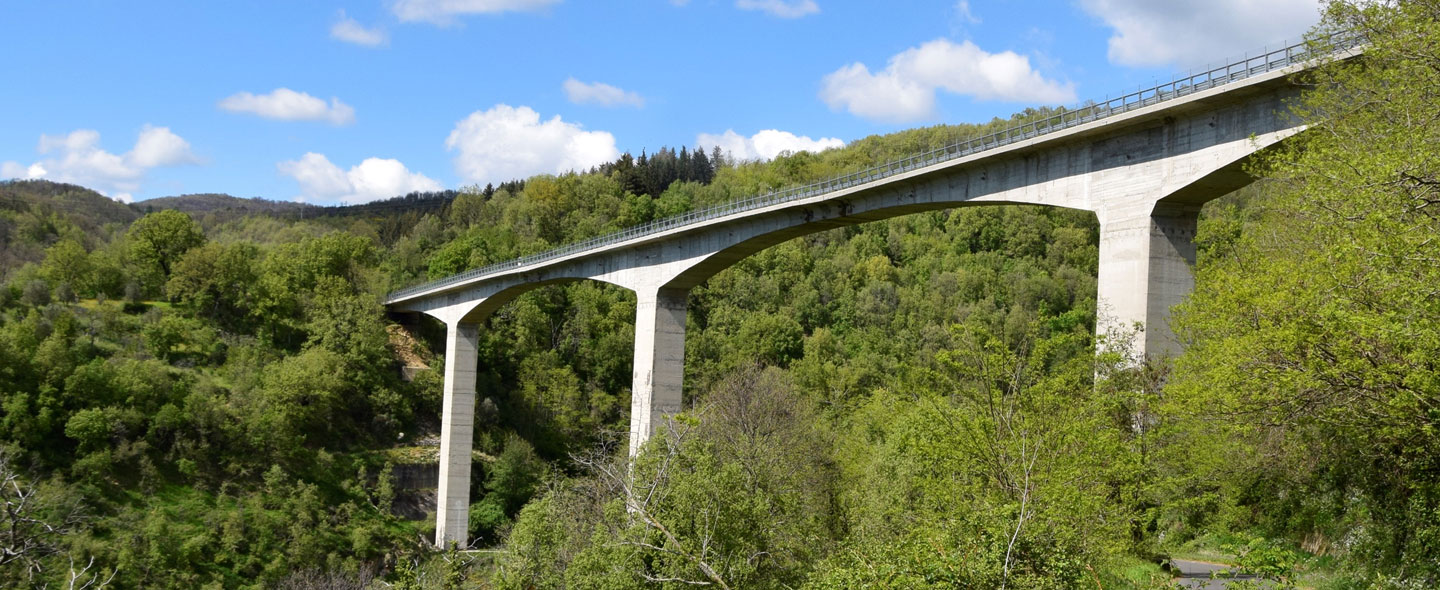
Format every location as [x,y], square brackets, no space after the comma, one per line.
[217,208]
[84,207]
[200,204]
[36,213]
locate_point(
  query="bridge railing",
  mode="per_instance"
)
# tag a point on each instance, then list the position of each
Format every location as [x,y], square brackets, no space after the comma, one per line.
[1063,119]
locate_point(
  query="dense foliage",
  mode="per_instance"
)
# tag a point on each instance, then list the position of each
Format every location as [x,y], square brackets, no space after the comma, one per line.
[205,392]
[210,438]
[1315,325]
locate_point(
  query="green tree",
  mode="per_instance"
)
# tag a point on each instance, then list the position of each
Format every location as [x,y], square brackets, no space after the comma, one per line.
[467,209]
[36,293]
[1314,328]
[216,281]
[738,495]
[997,469]
[172,338]
[67,263]
[158,240]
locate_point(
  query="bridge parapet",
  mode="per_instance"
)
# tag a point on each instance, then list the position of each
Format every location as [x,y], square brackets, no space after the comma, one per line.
[1090,112]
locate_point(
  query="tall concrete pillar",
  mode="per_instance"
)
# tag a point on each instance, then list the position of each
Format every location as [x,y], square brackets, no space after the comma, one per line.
[659,361]
[457,428]
[1145,269]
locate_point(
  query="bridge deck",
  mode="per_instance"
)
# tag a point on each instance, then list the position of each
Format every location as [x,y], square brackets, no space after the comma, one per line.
[1066,119]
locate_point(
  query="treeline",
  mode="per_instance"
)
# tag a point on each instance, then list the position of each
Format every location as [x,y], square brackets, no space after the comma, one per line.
[651,175]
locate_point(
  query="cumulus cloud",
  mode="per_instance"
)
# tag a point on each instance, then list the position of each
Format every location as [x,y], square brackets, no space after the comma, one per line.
[443,12]
[285,104]
[18,170]
[780,8]
[77,158]
[1197,32]
[905,90]
[600,93]
[508,142]
[766,144]
[370,180]
[350,30]
[158,146]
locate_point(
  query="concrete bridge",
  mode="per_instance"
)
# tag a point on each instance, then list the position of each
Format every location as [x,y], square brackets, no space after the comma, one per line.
[1143,163]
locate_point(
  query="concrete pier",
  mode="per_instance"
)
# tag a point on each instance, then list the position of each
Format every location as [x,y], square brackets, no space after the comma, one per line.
[1145,269]
[659,361]
[457,432]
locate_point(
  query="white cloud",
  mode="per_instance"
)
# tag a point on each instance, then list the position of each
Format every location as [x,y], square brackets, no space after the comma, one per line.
[962,11]
[287,105]
[600,93]
[350,30]
[780,8]
[905,90]
[443,12]
[372,179]
[77,158]
[766,144]
[18,170]
[158,146]
[1191,33]
[508,142]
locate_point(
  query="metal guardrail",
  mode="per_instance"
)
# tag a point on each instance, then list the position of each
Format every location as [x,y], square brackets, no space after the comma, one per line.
[1065,119]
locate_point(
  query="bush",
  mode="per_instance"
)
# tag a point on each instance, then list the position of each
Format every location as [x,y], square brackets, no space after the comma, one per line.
[65,294]
[487,517]
[36,293]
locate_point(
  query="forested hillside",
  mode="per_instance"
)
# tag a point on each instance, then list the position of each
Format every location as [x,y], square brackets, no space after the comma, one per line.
[212,397]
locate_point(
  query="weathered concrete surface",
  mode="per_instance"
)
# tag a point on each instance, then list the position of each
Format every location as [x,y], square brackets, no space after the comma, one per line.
[1144,174]
[659,360]
[457,432]
[1144,271]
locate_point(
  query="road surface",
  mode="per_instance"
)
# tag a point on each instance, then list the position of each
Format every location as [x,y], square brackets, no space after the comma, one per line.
[1196,574]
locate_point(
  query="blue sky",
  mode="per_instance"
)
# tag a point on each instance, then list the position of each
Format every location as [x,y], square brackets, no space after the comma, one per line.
[332,102]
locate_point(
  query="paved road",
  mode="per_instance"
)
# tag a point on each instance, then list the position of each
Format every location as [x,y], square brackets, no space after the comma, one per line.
[1196,574]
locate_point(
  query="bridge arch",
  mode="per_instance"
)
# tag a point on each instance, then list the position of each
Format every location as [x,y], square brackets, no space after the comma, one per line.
[729,256]
[492,304]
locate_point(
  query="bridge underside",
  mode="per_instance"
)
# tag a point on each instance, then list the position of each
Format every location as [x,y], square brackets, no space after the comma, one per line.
[1145,178]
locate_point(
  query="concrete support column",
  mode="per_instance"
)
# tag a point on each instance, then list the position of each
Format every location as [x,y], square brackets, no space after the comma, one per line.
[659,360]
[457,428]
[1145,269]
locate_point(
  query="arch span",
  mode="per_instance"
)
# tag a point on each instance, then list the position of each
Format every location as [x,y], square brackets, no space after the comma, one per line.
[492,304]
[727,257]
